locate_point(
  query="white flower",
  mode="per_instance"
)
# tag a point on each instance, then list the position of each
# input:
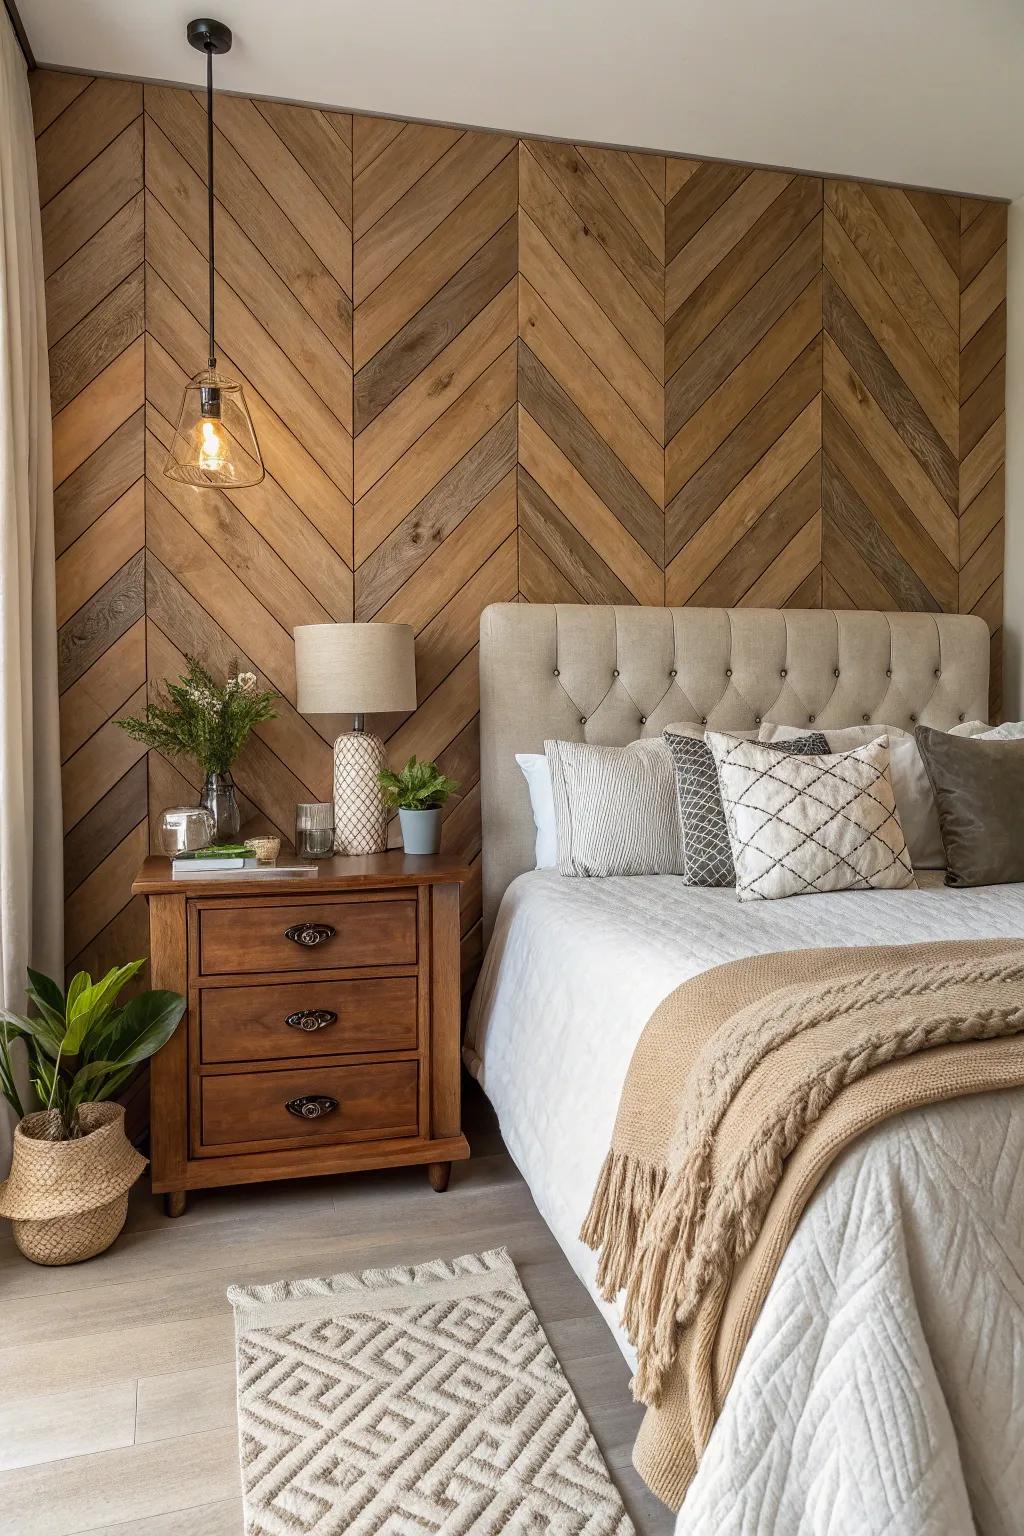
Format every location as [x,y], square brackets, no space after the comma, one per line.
[247,681]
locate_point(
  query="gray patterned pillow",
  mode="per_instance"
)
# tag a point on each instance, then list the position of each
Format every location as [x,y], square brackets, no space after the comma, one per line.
[707,853]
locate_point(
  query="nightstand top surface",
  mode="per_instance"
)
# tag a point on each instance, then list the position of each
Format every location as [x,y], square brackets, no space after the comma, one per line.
[393,868]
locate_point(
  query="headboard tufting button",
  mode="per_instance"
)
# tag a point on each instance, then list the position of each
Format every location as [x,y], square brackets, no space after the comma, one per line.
[615,672]
[757,719]
[961,717]
[938,671]
[835,671]
[703,719]
[556,673]
[643,719]
[913,719]
[810,719]
[888,671]
[583,719]
[865,718]
[673,672]
[728,671]
[783,673]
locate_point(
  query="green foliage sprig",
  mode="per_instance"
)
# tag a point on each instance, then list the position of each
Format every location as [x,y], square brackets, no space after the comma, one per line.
[419,787]
[195,717]
[81,1046]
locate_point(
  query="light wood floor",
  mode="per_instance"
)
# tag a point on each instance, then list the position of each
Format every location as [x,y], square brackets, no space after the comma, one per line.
[117,1411]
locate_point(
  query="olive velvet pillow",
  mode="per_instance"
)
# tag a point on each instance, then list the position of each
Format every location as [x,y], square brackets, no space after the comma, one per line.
[979,791]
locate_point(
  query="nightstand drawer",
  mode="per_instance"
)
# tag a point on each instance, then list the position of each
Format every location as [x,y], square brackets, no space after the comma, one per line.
[313,1103]
[311,936]
[307,1018]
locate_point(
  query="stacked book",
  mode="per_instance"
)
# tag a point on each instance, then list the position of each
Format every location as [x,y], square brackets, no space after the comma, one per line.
[235,861]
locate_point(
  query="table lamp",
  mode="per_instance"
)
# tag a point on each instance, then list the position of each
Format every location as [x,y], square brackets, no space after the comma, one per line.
[357,669]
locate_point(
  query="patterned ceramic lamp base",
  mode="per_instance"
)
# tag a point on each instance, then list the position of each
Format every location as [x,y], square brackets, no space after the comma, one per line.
[360,815]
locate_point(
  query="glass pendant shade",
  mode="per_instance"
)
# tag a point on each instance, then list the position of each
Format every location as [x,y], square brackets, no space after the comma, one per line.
[215,442]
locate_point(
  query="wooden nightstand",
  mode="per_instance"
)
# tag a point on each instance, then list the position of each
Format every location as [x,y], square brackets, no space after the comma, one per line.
[323,1024]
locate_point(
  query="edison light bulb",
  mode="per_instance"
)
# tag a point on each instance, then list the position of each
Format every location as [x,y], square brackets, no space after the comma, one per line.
[213,453]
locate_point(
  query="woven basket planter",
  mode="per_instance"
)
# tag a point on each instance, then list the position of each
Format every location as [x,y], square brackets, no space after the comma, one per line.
[67,1200]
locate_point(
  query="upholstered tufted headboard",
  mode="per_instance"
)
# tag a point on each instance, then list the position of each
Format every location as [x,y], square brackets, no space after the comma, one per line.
[610,675]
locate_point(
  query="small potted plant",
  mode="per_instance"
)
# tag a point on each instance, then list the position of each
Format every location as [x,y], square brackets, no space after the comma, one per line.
[209,722]
[419,792]
[67,1192]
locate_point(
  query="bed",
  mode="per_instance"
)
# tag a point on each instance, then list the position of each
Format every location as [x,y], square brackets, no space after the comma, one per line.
[877,1393]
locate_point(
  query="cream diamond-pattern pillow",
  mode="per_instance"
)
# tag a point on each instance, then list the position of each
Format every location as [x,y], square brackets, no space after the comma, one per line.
[800,825]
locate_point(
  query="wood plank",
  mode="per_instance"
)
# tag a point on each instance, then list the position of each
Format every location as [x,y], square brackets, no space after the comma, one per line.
[103,689]
[95,195]
[424,206]
[112,610]
[293,189]
[539,580]
[678,170]
[432,263]
[83,130]
[703,192]
[450,566]
[977,469]
[789,580]
[982,515]
[574,496]
[426,336]
[103,827]
[929,261]
[889,390]
[982,296]
[691,507]
[589,260]
[438,721]
[633,192]
[434,456]
[941,220]
[982,353]
[105,475]
[100,552]
[895,519]
[549,406]
[97,340]
[370,137]
[52,90]
[314,141]
[742,508]
[592,394]
[584,191]
[114,251]
[435,516]
[981,409]
[749,381]
[982,569]
[582,316]
[567,550]
[183,121]
[99,763]
[738,273]
[891,330]
[718,235]
[742,328]
[981,241]
[102,406]
[844,386]
[182,193]
[847,512]
[862,583]
[796,506]
[856,214]
[454,630]
[397,168]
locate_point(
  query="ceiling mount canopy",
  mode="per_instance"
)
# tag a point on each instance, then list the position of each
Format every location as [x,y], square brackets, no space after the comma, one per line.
[214,443]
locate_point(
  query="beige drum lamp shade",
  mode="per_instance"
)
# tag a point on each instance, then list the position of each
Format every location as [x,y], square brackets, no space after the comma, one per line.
[358,669]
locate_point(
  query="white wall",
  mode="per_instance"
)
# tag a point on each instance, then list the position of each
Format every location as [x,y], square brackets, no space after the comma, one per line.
[1013,602]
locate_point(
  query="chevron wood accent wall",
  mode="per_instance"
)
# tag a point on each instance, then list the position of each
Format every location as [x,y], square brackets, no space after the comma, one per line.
[482,368]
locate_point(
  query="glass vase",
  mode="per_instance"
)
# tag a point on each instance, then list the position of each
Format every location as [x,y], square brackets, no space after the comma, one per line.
[218,798]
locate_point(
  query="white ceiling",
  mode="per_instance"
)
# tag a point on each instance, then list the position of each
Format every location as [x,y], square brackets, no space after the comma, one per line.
[923,92]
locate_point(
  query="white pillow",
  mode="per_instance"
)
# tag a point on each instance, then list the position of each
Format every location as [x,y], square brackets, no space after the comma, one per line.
[911,785]
[616,811]
[801,825]
[538,780]
[1011,730]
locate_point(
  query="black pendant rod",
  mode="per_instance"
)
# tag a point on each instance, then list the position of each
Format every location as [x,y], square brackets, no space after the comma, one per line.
[209,191]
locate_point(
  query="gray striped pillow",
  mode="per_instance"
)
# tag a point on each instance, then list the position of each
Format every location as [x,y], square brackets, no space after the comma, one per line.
[616,811]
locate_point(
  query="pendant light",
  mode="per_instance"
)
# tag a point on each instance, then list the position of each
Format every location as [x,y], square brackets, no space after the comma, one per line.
[215,442]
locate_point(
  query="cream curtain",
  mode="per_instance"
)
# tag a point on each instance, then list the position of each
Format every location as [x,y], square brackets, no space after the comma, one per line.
[31,901]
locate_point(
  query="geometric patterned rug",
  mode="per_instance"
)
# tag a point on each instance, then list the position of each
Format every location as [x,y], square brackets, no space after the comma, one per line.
[411,1400]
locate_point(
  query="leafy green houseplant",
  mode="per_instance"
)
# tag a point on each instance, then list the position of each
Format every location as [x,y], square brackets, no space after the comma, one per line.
[67,1194]
[209,722]
[418,792]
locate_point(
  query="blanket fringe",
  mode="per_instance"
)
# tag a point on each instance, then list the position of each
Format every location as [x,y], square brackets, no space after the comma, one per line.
[627,1192]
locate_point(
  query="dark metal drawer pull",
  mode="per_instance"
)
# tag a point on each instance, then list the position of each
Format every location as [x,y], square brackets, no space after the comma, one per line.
[311,1106]
[309,935]
[309,1020]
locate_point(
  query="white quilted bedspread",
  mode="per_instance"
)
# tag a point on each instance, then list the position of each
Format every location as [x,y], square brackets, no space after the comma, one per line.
[882,1392]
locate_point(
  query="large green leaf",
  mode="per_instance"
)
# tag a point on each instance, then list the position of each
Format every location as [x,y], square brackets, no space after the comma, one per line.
[46,991]
[93,1003]
[41,1030]
[141,1027]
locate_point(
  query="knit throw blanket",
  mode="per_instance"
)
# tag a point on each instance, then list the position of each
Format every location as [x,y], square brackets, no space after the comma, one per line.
[745,1084]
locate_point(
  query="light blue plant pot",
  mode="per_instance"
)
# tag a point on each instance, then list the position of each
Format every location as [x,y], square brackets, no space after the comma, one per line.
[421,831]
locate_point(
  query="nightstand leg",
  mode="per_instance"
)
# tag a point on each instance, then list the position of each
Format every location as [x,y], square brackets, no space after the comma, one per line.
[174,1203]
[439,1174]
